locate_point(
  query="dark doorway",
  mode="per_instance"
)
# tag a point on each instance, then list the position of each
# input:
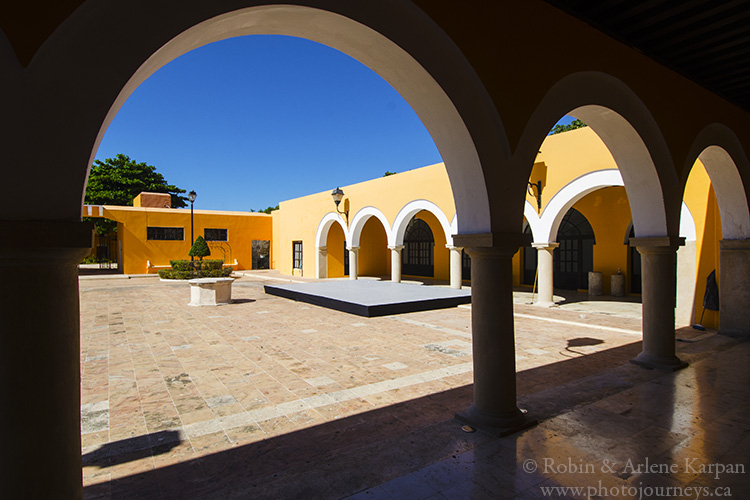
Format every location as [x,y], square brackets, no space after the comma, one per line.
[261,254]
[418,253]
[574,258]
[106,250]
[465,266]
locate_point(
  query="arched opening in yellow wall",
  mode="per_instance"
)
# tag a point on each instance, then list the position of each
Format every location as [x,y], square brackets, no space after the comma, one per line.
[700,200]
[336,253]
[608,211]
[374,257]
[425,253]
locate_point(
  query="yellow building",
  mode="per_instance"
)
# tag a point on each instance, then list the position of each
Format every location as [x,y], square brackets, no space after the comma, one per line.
[403,225]
[149,237]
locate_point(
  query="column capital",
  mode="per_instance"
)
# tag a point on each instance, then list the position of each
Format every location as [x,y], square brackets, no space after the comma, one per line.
[322,249]
[492,240]
[353,248]
[396,247]
[549,245]
[454,247]
[657,244]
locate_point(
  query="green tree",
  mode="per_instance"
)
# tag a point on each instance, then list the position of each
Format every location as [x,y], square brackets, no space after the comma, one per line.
[116,181]
[266,210]
[571,126]
[388,172]
[200,248]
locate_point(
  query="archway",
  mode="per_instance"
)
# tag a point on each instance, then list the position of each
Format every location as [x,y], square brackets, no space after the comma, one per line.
[726,163]
[321,241]
[636,144]
[337,256]
[373,258]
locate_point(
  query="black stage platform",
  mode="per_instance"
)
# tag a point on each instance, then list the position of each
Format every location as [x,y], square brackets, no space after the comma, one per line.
[372,298]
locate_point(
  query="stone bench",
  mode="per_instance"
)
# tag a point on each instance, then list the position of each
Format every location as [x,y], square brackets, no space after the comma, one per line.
[210,291]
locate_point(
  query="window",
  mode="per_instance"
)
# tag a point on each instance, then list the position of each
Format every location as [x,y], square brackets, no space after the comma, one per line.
[297,254]
[165,233]
[215,234]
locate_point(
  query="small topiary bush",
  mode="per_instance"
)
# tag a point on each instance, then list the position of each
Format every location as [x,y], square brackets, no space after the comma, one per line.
[187,269]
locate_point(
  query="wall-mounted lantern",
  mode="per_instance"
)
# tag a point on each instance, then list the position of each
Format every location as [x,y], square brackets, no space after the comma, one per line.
[337,195]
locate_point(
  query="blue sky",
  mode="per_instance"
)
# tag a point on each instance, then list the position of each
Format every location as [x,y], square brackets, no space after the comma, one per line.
[252,121]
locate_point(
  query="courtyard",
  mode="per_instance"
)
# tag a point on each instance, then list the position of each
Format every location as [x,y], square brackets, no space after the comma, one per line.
[271,398]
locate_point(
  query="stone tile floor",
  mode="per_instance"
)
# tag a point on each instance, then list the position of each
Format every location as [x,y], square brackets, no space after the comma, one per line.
[269,398]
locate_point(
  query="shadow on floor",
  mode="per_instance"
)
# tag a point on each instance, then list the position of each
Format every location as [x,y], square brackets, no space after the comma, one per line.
[342,457]
[132,449]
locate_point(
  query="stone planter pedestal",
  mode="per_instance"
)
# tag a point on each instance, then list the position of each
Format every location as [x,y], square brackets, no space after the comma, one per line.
[617,285]
[210,291]
[595,283]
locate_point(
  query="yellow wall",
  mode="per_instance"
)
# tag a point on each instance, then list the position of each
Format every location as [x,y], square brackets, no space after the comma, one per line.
[335,253]
[701,201]
[608,212]
[242,229]
[374,256]
[567,156]
[298,219]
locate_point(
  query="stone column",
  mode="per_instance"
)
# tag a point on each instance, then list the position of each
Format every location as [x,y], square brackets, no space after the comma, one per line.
[494,407]
[545,281]
[658,296]
[353,253]
[456,266]
[734,287]
[322,269]
[396,262]
[40,358]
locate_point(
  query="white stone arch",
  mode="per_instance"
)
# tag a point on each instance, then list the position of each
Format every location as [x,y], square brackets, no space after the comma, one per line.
[321,238]
[566,197]
[358,223]
[533,220]
[87,73]
[328,220]
[410,210]
[629,131]
[727,165]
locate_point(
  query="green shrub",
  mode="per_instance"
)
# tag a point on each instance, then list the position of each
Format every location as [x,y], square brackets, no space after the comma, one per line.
[200,248]
[187,269]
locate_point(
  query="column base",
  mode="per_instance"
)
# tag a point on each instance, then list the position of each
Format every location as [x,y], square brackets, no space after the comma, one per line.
[672,363]
[496,425]
[545,304]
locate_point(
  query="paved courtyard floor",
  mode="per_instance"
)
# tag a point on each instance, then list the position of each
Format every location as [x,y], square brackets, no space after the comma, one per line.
[270,398]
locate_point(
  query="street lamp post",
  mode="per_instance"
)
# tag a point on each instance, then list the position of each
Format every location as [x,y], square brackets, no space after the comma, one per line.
[191,196]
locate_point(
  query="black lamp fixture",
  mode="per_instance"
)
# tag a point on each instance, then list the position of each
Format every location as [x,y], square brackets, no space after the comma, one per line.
[538,195]
[191,196]
[337,195]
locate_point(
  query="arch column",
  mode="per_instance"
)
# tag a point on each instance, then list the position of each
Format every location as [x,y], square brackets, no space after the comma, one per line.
[455,266]
[322,269]
[353,262]
[494,408]
[545,280]
[734,287]
[40,357]
[658,289]
[395,262]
